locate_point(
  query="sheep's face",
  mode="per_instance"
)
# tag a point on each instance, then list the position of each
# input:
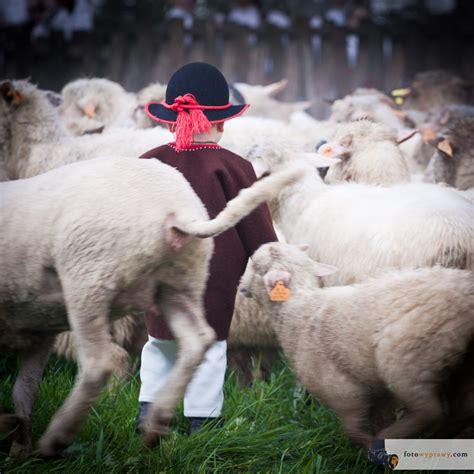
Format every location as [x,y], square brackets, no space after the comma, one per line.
[279,262]
[357,137]
[455,141]
[23,104]
[92,103]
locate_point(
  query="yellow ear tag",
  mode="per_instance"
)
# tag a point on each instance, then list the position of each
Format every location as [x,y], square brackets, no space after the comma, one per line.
[445,147]
[280,292]
[400,92]
[399,100]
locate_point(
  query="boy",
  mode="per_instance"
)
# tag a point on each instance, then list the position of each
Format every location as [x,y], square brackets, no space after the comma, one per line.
[195,109]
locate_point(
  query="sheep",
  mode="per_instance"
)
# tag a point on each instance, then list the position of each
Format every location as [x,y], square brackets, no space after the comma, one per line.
[87,238]
[453,160]
[250,336]
[371,104]
[363,229]
[155,92]
[35,140]
[349,345]
[444,117]
[41,144]
[242,135]
[368,103]
[90,105]
[263,104]
[369,153]
[129,335]
[433,89]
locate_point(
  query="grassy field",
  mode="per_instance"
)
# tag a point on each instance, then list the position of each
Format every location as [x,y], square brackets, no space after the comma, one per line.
[265,430]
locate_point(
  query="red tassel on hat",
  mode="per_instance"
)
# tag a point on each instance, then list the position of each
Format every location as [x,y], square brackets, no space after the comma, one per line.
[191,120]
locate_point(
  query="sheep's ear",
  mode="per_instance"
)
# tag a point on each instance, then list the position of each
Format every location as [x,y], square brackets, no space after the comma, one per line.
[174,237]
[260,167]
[9,94]
[273,276]
[443,144]
[404,135]
[320,161]
[334,150]
[399,113]
[54,98]
[273,89]
[322,269]
[428,133]
[301,105]
[329,101]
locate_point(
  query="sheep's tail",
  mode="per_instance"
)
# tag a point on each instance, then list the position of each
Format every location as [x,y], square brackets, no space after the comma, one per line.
[244,203]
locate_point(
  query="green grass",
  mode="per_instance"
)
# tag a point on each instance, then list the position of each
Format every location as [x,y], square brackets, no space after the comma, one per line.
[265,430]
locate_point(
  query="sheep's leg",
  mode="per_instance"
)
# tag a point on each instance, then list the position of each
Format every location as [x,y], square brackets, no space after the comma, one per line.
[383,412]
[121,363]
[352,419]
[185,317]
[423,409]
[25,390]
[352,406]
[240,360]
[88,317]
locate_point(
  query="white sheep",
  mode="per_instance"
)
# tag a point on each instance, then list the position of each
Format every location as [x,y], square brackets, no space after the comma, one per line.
[90,105]
[349,345]
[369,153]
[373,105]
[155,92]
[263,104]
[87,238]
[34,140]
[361,228]
[369,104]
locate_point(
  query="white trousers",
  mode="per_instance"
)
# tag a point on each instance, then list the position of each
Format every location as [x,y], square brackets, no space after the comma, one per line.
[204,395]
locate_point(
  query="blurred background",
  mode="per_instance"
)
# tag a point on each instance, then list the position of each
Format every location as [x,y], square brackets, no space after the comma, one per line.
[325,48]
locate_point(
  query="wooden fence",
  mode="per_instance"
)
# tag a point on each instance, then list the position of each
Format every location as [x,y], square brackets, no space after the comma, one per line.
[316,63]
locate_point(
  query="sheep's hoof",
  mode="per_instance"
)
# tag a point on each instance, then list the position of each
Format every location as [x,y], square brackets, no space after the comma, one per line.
[20,451]
[152,438]
[50,447]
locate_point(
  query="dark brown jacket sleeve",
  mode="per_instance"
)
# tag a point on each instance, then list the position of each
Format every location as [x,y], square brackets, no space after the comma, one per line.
[257,228]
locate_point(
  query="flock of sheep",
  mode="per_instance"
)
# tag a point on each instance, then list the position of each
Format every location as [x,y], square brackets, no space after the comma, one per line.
[375,212]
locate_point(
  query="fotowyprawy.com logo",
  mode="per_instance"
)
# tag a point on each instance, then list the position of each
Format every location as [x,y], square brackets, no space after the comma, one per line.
[433,454]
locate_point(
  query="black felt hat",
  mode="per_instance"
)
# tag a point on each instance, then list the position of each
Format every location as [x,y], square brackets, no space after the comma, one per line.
[209,88]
